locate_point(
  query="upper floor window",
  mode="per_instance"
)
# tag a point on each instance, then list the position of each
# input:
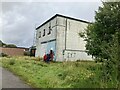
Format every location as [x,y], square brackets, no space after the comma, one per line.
[39,34]
[43,32]
[49,30]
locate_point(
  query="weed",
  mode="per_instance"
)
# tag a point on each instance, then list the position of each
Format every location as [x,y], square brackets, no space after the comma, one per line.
[3,55]
[12,62]
[58,74]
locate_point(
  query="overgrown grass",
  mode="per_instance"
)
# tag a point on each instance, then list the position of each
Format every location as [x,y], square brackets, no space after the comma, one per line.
[39,74]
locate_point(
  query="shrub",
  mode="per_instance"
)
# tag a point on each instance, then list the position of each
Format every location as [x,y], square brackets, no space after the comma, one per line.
[12,62]
[3,55]
[27,53]
[76,64]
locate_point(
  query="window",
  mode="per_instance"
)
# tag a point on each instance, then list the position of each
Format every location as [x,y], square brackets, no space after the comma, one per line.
[49,32]
[44,33]
[39,34]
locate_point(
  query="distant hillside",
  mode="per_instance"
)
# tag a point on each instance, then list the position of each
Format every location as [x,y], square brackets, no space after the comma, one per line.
[7,45]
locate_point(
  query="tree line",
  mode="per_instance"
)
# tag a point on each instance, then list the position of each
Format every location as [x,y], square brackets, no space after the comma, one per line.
[7,45]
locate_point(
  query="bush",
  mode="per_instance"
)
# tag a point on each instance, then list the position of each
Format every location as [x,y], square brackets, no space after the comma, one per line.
[12,62]
[3,55]
[76,64]
[26,53]
[11,45]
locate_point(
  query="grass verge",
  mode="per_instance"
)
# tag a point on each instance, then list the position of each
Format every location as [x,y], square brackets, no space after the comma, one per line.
[39,74]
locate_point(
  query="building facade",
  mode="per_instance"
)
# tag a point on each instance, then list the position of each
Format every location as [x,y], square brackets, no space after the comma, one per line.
[61,34]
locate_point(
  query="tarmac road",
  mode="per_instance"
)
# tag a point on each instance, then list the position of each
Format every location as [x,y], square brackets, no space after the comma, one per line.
[9,80]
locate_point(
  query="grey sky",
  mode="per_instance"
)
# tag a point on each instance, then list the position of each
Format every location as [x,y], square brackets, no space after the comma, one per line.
[19,18]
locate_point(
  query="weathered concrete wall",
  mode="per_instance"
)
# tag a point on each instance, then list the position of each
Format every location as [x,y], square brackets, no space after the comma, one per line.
[66,44]
[74,41]
[76,55]
[70,46]
[45,43]
[61,25]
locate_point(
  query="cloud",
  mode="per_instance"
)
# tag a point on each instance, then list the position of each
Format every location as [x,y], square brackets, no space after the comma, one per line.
[19,18]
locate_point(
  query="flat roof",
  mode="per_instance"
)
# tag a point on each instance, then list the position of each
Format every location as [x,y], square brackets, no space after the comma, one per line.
[16,47]
[61,16]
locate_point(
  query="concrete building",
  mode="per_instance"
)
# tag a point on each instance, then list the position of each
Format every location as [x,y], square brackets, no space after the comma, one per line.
[61,34]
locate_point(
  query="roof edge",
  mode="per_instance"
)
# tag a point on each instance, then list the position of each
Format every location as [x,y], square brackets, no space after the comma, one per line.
[64,17]
[16,47]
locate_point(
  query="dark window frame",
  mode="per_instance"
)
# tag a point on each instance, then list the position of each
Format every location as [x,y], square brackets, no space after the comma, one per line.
[50,29]
[40,34]
[43,32]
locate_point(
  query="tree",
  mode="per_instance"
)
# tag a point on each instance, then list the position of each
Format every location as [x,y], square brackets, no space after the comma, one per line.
[11,45]
[103,37]
[111,67]
[7,45]
[2,44]
[107,22]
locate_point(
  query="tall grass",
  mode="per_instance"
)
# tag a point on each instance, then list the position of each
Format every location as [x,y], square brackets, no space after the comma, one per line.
[39,74]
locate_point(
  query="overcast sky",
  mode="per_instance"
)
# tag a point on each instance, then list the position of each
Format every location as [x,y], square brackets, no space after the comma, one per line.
[19,19]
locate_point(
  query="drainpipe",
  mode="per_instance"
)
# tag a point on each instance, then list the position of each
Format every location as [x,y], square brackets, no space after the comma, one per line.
[65,32]
[65,38]
[56,40]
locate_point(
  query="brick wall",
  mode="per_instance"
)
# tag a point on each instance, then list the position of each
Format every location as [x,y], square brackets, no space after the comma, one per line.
[13,51]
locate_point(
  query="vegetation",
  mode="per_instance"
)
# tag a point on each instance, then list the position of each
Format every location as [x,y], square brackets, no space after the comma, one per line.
[10,45]
[7,45]
[1,43]
[32,50]
[38,74]
[3,55]
[103,43]
[26,53]
[103,40]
